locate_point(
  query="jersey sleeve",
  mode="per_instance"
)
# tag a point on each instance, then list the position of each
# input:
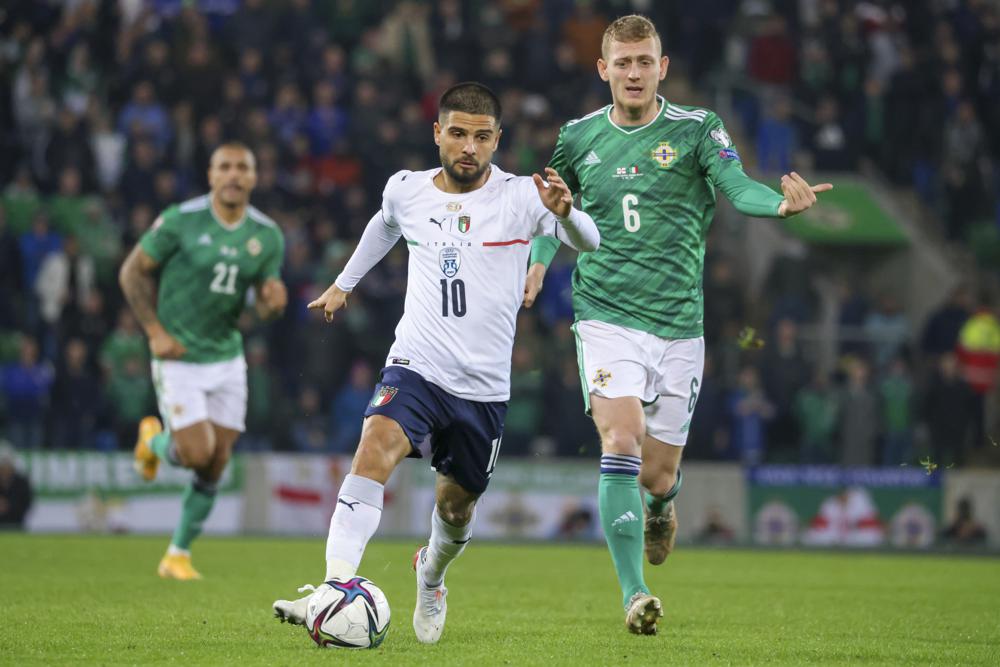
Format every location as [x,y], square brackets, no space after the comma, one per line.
[272,267]
[721,163]
[163,239]
[390,195]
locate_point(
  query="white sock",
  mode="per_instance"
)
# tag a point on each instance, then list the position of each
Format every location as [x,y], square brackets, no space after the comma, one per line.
[447,543]
[177,551]
[354,521]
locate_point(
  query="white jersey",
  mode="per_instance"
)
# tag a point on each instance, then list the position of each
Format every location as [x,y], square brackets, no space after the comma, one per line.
[468,258]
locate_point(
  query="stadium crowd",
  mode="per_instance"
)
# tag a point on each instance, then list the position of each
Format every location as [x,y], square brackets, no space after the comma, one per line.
[109,111]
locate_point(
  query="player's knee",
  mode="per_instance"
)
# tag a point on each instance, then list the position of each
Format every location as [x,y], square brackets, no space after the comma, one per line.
[658,481]
[196,457]
[621,441]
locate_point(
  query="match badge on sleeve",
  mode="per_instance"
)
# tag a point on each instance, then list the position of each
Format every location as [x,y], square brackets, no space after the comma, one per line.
[664,154]
[383,396]
[253,246]
[721,137]
[601,378]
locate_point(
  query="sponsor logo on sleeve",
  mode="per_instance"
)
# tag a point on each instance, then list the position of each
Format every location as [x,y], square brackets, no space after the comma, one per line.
[729,154]
[721,137]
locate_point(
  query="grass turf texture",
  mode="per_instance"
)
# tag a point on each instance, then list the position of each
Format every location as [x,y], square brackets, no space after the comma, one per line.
[97,600]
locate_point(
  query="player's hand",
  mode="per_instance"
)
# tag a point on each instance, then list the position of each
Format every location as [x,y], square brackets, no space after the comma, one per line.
[799,195]
[163,345]
[533,283]
[330,301]
[555,194]
[273,296]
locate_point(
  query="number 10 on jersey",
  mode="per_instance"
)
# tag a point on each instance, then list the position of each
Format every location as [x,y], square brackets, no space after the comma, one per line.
[453,295]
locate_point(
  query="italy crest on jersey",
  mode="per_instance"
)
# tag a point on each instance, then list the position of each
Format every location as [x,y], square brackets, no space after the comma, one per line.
[383,396]
[664,154]
[464,222]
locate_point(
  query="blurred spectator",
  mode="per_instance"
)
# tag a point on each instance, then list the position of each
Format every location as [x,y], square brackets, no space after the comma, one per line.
[130,396]
[979,355]
[963,151]
[897,395]
[964,530]
[65,280]
[583,30]
[817,409]
[36,245]
[776,138]
[11,276]
[309,428]
[524,409]
[15,491]
[709,436]
[944,324]
[76,399]
[772,58]
[859,416]
[784,371]
[262,401]
[26,386]
[348,408]
[715,531]
[888,330]
[948,409]
[749,411]
[144,117]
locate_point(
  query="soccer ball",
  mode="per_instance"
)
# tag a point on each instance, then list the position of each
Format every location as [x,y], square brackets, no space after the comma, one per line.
[348,614]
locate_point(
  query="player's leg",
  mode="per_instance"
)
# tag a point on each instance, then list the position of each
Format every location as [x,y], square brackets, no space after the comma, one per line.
[614,377]
[668,420]
[395,420]
[464,454]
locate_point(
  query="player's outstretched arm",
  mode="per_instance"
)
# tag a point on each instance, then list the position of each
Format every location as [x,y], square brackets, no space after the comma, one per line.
[272,297]
[799,195]
[139,287]
[580,228]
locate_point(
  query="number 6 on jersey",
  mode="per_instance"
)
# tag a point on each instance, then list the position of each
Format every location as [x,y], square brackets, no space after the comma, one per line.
[631,215]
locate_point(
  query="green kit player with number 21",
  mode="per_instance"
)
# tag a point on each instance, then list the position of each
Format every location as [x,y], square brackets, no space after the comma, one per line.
[187,280]
[646,171]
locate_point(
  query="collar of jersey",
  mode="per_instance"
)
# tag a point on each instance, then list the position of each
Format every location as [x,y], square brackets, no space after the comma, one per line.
[489,179]
[611,107]
[222,223]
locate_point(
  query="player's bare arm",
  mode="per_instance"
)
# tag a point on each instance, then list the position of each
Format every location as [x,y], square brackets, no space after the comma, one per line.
[138,284]
[799,195]
[272,297]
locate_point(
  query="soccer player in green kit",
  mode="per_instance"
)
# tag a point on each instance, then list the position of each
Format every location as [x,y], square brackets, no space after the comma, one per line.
[646,170]
[187,280]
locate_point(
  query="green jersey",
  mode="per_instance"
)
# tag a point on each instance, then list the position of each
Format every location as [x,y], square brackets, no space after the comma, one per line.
[651,191]
[206,268]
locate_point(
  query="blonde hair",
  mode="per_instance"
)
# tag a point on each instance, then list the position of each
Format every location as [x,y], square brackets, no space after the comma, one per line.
[631,28]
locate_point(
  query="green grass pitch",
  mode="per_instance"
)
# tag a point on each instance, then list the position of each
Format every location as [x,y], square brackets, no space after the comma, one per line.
[97,600]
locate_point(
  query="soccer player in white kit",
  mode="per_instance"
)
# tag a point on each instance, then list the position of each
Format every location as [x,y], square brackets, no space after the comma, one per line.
[468,227]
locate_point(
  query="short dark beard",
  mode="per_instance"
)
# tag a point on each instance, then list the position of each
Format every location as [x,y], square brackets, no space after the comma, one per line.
[460,177]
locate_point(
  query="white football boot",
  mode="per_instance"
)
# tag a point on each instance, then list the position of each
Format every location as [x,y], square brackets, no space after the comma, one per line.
[642,613]
[432,605]
[294,611]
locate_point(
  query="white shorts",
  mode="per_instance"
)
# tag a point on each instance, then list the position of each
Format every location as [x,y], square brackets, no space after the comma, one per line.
[664,374]
[188,393]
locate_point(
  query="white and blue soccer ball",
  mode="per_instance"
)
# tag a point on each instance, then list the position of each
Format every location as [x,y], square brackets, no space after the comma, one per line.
[348,614]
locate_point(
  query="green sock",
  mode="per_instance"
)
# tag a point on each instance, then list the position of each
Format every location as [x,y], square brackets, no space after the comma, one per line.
[655,504]
[620,506]
[160,444]
[199,497]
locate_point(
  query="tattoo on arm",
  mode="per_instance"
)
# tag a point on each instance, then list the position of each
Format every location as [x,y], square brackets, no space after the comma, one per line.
[139,286]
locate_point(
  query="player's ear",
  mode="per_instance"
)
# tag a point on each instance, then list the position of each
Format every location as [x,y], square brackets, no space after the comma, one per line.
[602,69]
[437,133]
[664,64]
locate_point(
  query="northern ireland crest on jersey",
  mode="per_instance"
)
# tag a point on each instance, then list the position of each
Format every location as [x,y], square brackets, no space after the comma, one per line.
[384,394]
[721,137]
[464,222]
[450,260]
[664,154]
[254,247]
[601,378]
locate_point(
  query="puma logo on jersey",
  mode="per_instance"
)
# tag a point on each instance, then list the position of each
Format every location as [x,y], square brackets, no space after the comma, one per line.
[341,501]
[592,158]
[204,239]
[439,223]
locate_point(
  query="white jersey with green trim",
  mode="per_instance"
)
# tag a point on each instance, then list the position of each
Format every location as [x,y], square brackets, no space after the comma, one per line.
[467,259]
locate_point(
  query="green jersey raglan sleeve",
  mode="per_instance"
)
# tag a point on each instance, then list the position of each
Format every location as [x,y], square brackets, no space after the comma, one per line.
[272,267]
[544,248]
[719,159]
[163,239]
